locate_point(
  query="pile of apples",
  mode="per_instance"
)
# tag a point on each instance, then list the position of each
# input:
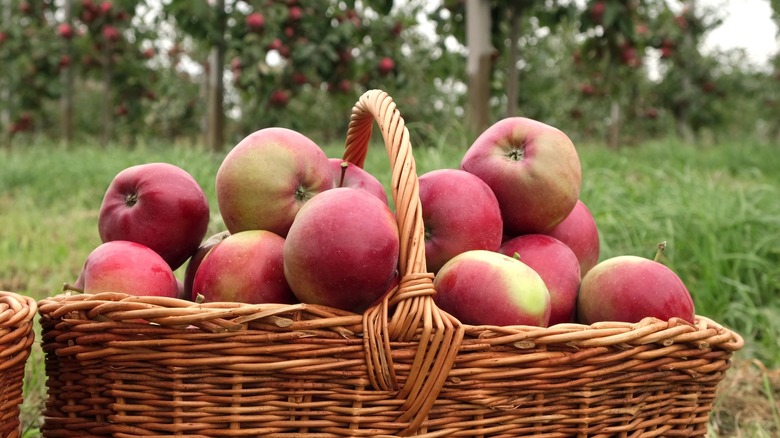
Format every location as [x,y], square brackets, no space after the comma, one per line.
[506,235]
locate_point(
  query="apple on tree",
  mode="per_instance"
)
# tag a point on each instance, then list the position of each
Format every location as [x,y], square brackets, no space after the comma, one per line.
[342,250]
[533,169]
[127,267]
[580,233]
[267,177]
[346,174]
[460,213]
[244,267]
[158,205]
[481,287]
[629,288]
[556,264]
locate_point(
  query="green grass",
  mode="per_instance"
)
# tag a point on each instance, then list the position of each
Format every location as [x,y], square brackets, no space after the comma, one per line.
[715,206]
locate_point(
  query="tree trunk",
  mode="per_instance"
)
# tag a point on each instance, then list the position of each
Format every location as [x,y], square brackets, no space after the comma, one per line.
[67,80]
[614,125]
[5,92]
[216,114]
[512,84]
[478,66]
[108,101]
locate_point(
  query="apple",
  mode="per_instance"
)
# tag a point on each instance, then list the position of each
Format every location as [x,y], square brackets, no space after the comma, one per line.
[279,98]
[64,61]
[587,89]
[629,288]
[295,13]
[580,233]
[386,65]
[110,33]
[533,169]
[105,8]
[244,267]
[342,250]
[65,31]
[276,44]
[267,177]
[556,264]
[255,21]
[460,213]
[597,12]
[127,267]
[158,205]
[489,288]
[197,258]
[346,174]
[628,55]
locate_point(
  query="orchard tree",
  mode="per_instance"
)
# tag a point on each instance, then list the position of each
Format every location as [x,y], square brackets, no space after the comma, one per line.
[30,56]
[610,60]
[492,35]
[109,47]
[303,62]
[690,86]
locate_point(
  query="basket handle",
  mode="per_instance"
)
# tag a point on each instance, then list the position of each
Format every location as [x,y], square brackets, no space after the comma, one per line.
[415,316]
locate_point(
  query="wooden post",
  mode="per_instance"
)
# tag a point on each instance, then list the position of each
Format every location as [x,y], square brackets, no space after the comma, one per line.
[67,80]
[5,91]
[478,64]
[512,79]
[216,114]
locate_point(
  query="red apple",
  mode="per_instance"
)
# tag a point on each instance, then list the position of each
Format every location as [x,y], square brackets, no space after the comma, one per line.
[244,267]
[255,21]
[533,169]
[629,288]
[64,61]
[267,177]
[342,250]
[279,98]
[580,233]
[386,65]
[597,12]
[488,288]
[105,8]
[556,264]
[127,267]
[460,213]
[158,205]
[195,260]
[346,174]
[295,13]
[276,44]
[110,33]
[65,30]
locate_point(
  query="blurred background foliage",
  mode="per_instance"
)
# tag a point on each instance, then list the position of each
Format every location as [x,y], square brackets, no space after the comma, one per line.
[210,72]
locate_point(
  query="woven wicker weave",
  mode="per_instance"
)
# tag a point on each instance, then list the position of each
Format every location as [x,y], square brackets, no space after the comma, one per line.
[16,338]
[125,366]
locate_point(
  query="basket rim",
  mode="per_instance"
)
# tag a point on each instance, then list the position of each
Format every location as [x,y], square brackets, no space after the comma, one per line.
[220,317]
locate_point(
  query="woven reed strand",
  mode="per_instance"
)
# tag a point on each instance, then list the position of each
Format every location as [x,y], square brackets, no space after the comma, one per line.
[16,339]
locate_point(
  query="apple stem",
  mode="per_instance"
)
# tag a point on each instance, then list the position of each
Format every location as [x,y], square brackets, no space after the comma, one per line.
[516,256]
[659,251]
[199,299]
[344,165]
[67,287]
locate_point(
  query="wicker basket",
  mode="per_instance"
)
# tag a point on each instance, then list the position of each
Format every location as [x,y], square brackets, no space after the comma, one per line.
[16,339]
[126,366]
